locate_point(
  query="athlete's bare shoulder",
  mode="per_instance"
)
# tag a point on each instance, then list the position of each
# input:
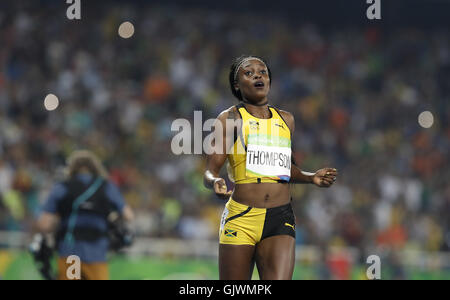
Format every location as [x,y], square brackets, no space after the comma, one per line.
[286,114]
[229,113]
[288,118]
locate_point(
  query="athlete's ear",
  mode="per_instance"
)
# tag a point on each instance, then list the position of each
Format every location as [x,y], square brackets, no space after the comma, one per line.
[236,86]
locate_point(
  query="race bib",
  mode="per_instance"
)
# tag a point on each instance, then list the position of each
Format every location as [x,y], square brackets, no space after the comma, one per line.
[268,156]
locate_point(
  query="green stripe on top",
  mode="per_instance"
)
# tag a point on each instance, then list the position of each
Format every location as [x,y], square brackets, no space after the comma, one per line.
[268,140]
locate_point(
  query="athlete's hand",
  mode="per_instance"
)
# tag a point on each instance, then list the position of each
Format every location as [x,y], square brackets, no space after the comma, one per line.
[325,177]
[220,188]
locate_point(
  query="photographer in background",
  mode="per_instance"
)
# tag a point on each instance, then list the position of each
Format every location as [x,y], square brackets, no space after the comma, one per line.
[88,216]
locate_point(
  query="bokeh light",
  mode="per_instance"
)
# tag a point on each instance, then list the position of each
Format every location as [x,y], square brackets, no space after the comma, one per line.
[51,102]
[126,30]
[426,119]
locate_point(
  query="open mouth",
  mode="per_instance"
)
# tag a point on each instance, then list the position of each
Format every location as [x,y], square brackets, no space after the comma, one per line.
[259,84]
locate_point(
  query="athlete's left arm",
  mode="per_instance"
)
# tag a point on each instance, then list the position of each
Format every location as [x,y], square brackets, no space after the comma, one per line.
[323,178]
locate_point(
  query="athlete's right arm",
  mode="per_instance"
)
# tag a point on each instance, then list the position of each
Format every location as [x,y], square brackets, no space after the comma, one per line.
[216,160]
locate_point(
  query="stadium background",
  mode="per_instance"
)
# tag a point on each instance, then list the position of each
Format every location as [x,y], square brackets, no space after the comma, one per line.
[356,88]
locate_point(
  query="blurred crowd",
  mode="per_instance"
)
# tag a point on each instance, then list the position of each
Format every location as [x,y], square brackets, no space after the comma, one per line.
[356,94]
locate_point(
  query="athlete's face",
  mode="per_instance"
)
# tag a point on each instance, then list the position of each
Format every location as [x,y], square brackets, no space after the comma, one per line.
[253,81]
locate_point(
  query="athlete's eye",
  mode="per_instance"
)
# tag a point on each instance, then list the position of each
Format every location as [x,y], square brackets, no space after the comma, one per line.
[263,71]
[248,73]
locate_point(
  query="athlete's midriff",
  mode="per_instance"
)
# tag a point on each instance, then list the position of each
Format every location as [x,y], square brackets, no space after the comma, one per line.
[262,195]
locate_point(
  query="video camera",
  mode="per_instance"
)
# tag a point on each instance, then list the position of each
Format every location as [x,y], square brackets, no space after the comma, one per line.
[42,253]
[119,234]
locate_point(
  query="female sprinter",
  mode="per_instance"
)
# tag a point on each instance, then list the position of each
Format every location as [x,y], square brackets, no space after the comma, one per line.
[258,223]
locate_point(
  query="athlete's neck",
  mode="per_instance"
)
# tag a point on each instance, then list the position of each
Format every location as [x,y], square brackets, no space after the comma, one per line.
[262,102]
[259,111]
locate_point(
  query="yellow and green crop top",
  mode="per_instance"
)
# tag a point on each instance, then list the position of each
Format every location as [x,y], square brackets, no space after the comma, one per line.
[262,149]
